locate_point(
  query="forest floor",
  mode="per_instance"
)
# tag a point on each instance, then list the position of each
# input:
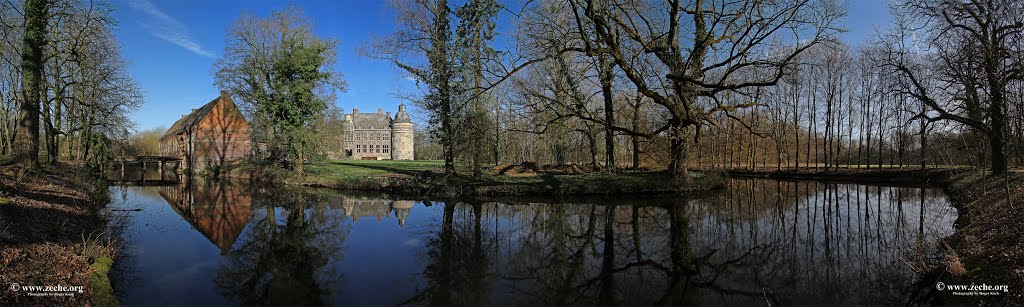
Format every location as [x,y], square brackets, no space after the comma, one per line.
[987,246]
[52,230]
[989,239]
[427,178]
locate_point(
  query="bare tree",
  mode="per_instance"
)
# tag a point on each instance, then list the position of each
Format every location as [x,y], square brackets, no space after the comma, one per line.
[33,43]
[985,36]
[423,47]
[686,69]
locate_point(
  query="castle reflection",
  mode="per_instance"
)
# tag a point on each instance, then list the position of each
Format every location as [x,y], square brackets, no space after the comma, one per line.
[221,210]
[757,241]
[356,207]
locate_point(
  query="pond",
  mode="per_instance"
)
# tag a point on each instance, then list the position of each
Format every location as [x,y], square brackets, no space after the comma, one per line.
[759,240]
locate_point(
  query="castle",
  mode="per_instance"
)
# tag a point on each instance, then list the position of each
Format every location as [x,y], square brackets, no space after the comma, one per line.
[376,136]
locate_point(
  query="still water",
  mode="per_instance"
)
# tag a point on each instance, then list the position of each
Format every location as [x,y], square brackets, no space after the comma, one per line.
[787,242]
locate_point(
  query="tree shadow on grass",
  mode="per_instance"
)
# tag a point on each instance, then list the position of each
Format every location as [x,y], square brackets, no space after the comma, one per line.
[382,168]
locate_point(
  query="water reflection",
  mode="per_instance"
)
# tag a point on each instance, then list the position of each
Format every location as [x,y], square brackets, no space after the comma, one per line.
[761,240]
[218,210]
[284,258]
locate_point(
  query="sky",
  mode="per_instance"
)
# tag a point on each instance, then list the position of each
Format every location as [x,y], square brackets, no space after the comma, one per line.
[171,47]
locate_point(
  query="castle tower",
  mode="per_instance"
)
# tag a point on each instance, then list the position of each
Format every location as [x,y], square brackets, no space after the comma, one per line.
[402,135]
[349,128]
[401,209]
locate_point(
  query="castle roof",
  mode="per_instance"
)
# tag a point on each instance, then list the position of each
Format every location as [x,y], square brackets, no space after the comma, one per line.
[402,116]
[370,121]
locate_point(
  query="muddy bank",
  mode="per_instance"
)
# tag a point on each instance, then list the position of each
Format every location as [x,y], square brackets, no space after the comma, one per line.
[52,233]
[988,244]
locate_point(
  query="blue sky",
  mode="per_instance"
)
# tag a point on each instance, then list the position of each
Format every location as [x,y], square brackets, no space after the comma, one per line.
[171,46]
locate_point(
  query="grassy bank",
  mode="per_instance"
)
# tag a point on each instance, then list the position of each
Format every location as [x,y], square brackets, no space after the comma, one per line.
[987,246]
[427,178]
[52,233]
[890,176]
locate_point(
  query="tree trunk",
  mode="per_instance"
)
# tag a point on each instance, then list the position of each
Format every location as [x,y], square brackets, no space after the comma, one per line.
[607,77]
[634,138]
[301,157]
[677,163]
[592,141]
[32,79]
[997,136]
[478,108]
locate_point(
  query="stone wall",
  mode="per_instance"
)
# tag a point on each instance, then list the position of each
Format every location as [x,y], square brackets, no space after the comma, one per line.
[402,141]
[374,143]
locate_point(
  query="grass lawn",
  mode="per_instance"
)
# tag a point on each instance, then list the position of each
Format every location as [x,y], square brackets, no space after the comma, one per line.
[345,169]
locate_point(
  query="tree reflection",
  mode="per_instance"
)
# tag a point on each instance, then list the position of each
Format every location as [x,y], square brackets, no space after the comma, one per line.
[285,262]
[457,272]
[762,241]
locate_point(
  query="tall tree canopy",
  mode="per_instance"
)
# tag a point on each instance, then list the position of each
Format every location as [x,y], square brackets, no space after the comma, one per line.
[284,74]
[963,66]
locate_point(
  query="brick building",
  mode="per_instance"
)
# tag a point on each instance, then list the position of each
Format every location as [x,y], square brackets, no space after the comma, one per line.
[213,135]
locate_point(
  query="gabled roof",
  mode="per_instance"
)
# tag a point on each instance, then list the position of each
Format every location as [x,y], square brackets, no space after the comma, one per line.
[192,119]
[370,121]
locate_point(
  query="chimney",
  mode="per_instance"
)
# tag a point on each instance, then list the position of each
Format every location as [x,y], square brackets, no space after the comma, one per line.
[388,114]
[380,111]
[355,111]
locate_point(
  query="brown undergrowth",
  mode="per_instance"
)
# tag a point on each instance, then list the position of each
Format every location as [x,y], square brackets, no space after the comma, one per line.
[51,230]
[989,238]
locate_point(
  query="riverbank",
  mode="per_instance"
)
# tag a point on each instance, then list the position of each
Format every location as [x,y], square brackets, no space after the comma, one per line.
[52,233]
[988,244]
[886,176]
[426,178]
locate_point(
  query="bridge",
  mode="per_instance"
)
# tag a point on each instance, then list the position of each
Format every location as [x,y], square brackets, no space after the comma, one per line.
[143,163]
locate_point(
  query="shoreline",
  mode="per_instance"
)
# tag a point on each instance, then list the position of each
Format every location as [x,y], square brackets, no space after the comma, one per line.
[53,232]
[930,177]
[557,185]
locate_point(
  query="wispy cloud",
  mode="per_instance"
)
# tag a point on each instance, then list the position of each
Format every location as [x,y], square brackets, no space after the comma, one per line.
[167,28]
